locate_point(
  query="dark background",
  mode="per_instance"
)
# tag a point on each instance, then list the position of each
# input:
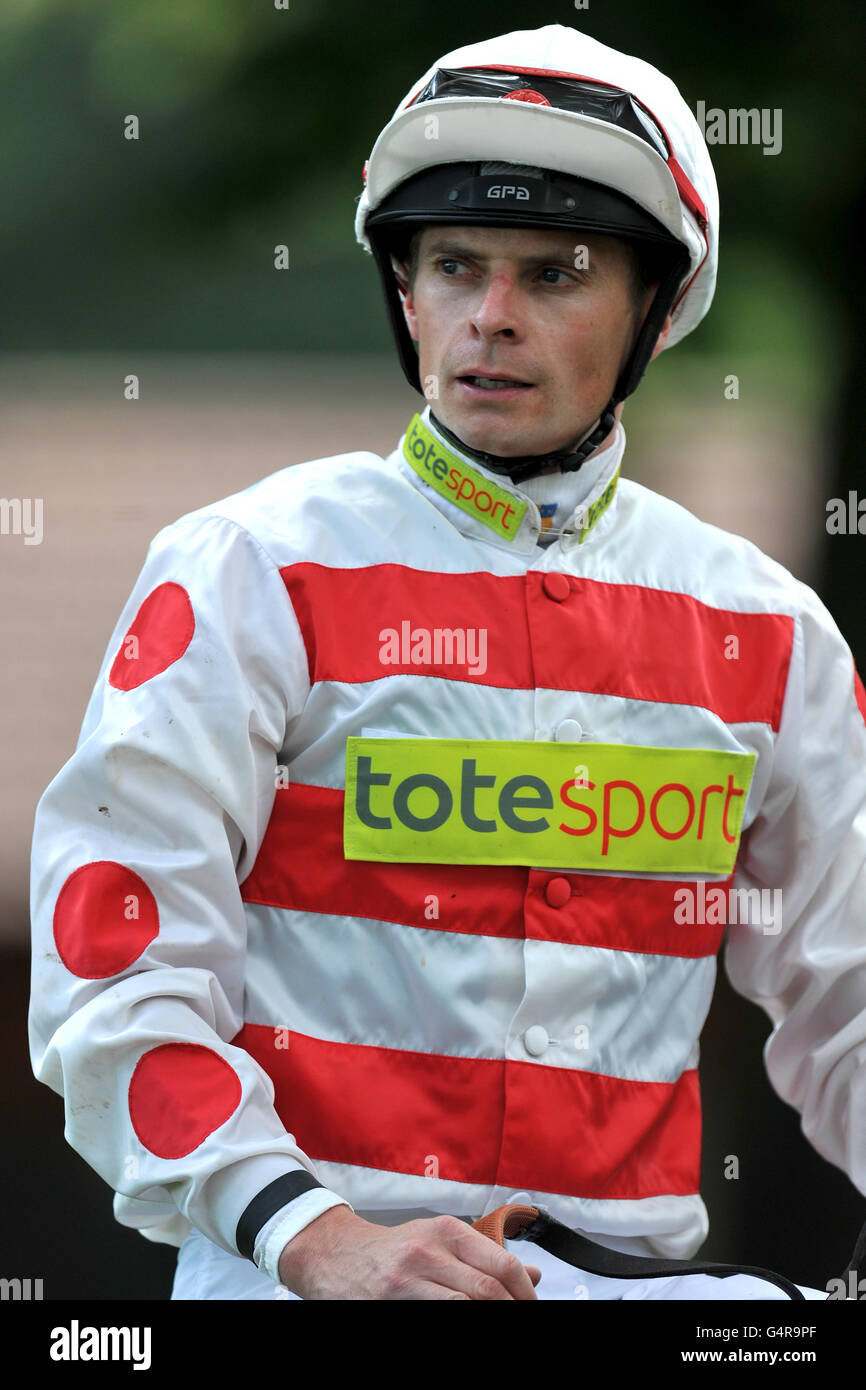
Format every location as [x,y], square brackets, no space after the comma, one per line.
[255,123]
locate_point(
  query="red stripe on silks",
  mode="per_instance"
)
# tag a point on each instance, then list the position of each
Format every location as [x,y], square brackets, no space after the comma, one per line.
[624,914]
[628,914]
[343,612]
[481,899]
[587,1135]
[612,639]
[384,1108]
[650,644]
[859,694]
[563,1130]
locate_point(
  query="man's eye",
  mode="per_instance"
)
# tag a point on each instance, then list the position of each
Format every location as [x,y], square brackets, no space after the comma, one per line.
[451,267]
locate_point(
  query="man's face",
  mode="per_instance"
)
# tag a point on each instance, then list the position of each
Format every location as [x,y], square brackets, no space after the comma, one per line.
[497,301]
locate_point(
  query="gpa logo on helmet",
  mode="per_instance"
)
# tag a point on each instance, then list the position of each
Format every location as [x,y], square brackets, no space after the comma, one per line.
[508,190]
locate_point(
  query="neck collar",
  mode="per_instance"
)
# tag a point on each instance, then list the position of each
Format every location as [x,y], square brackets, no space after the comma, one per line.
[523,466]
[492,508]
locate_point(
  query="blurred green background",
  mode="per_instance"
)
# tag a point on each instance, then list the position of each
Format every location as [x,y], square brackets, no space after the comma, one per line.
[156,256]
[254,124]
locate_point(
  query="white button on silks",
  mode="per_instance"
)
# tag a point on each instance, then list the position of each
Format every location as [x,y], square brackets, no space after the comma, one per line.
[569,731]
[535,1040]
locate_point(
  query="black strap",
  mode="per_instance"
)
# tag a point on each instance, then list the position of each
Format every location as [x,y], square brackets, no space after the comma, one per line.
[525,466]
[277,1194]
[577,1250]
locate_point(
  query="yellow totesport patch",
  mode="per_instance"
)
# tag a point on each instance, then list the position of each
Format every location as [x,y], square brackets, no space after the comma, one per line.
[599,506]
[558,805]
[455,479]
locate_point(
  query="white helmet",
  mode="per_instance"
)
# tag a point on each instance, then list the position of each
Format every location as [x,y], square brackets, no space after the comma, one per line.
[618,150]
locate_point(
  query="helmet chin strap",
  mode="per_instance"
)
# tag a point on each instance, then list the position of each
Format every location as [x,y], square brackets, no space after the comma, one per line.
[524,466]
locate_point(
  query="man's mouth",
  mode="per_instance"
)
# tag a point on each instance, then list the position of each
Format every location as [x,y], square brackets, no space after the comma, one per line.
[494,383]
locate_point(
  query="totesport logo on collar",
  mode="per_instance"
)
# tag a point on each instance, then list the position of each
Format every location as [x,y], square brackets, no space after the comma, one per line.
[600,505]
[457,481]
[550,805]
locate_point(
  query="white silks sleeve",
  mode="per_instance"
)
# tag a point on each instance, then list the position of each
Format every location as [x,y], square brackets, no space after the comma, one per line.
[807,851]
[139,932]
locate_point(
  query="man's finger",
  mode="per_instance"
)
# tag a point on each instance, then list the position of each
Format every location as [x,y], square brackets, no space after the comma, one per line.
[484,1254]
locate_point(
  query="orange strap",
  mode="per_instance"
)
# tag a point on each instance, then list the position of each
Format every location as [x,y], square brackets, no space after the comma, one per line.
[505,1222]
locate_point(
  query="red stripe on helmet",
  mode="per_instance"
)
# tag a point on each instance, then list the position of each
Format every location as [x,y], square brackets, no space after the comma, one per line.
[859,694]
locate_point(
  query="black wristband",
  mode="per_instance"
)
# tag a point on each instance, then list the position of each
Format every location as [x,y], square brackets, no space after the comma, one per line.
[277,1194]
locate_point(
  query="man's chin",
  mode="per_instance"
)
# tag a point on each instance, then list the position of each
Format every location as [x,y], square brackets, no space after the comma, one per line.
[491,432]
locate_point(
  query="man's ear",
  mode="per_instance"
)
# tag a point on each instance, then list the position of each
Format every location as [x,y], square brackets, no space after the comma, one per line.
[401,275]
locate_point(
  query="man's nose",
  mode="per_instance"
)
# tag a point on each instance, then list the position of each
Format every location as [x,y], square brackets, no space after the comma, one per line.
[497,309]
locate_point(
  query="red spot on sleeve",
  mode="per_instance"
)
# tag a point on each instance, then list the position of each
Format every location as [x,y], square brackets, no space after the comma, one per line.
[104,917]
[161,631]
[179,1094]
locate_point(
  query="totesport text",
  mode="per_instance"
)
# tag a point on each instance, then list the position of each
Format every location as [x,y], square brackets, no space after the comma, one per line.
[620,807]
[465,486]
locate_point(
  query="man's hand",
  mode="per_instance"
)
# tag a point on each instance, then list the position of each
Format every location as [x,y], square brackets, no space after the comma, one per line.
[342,1256]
